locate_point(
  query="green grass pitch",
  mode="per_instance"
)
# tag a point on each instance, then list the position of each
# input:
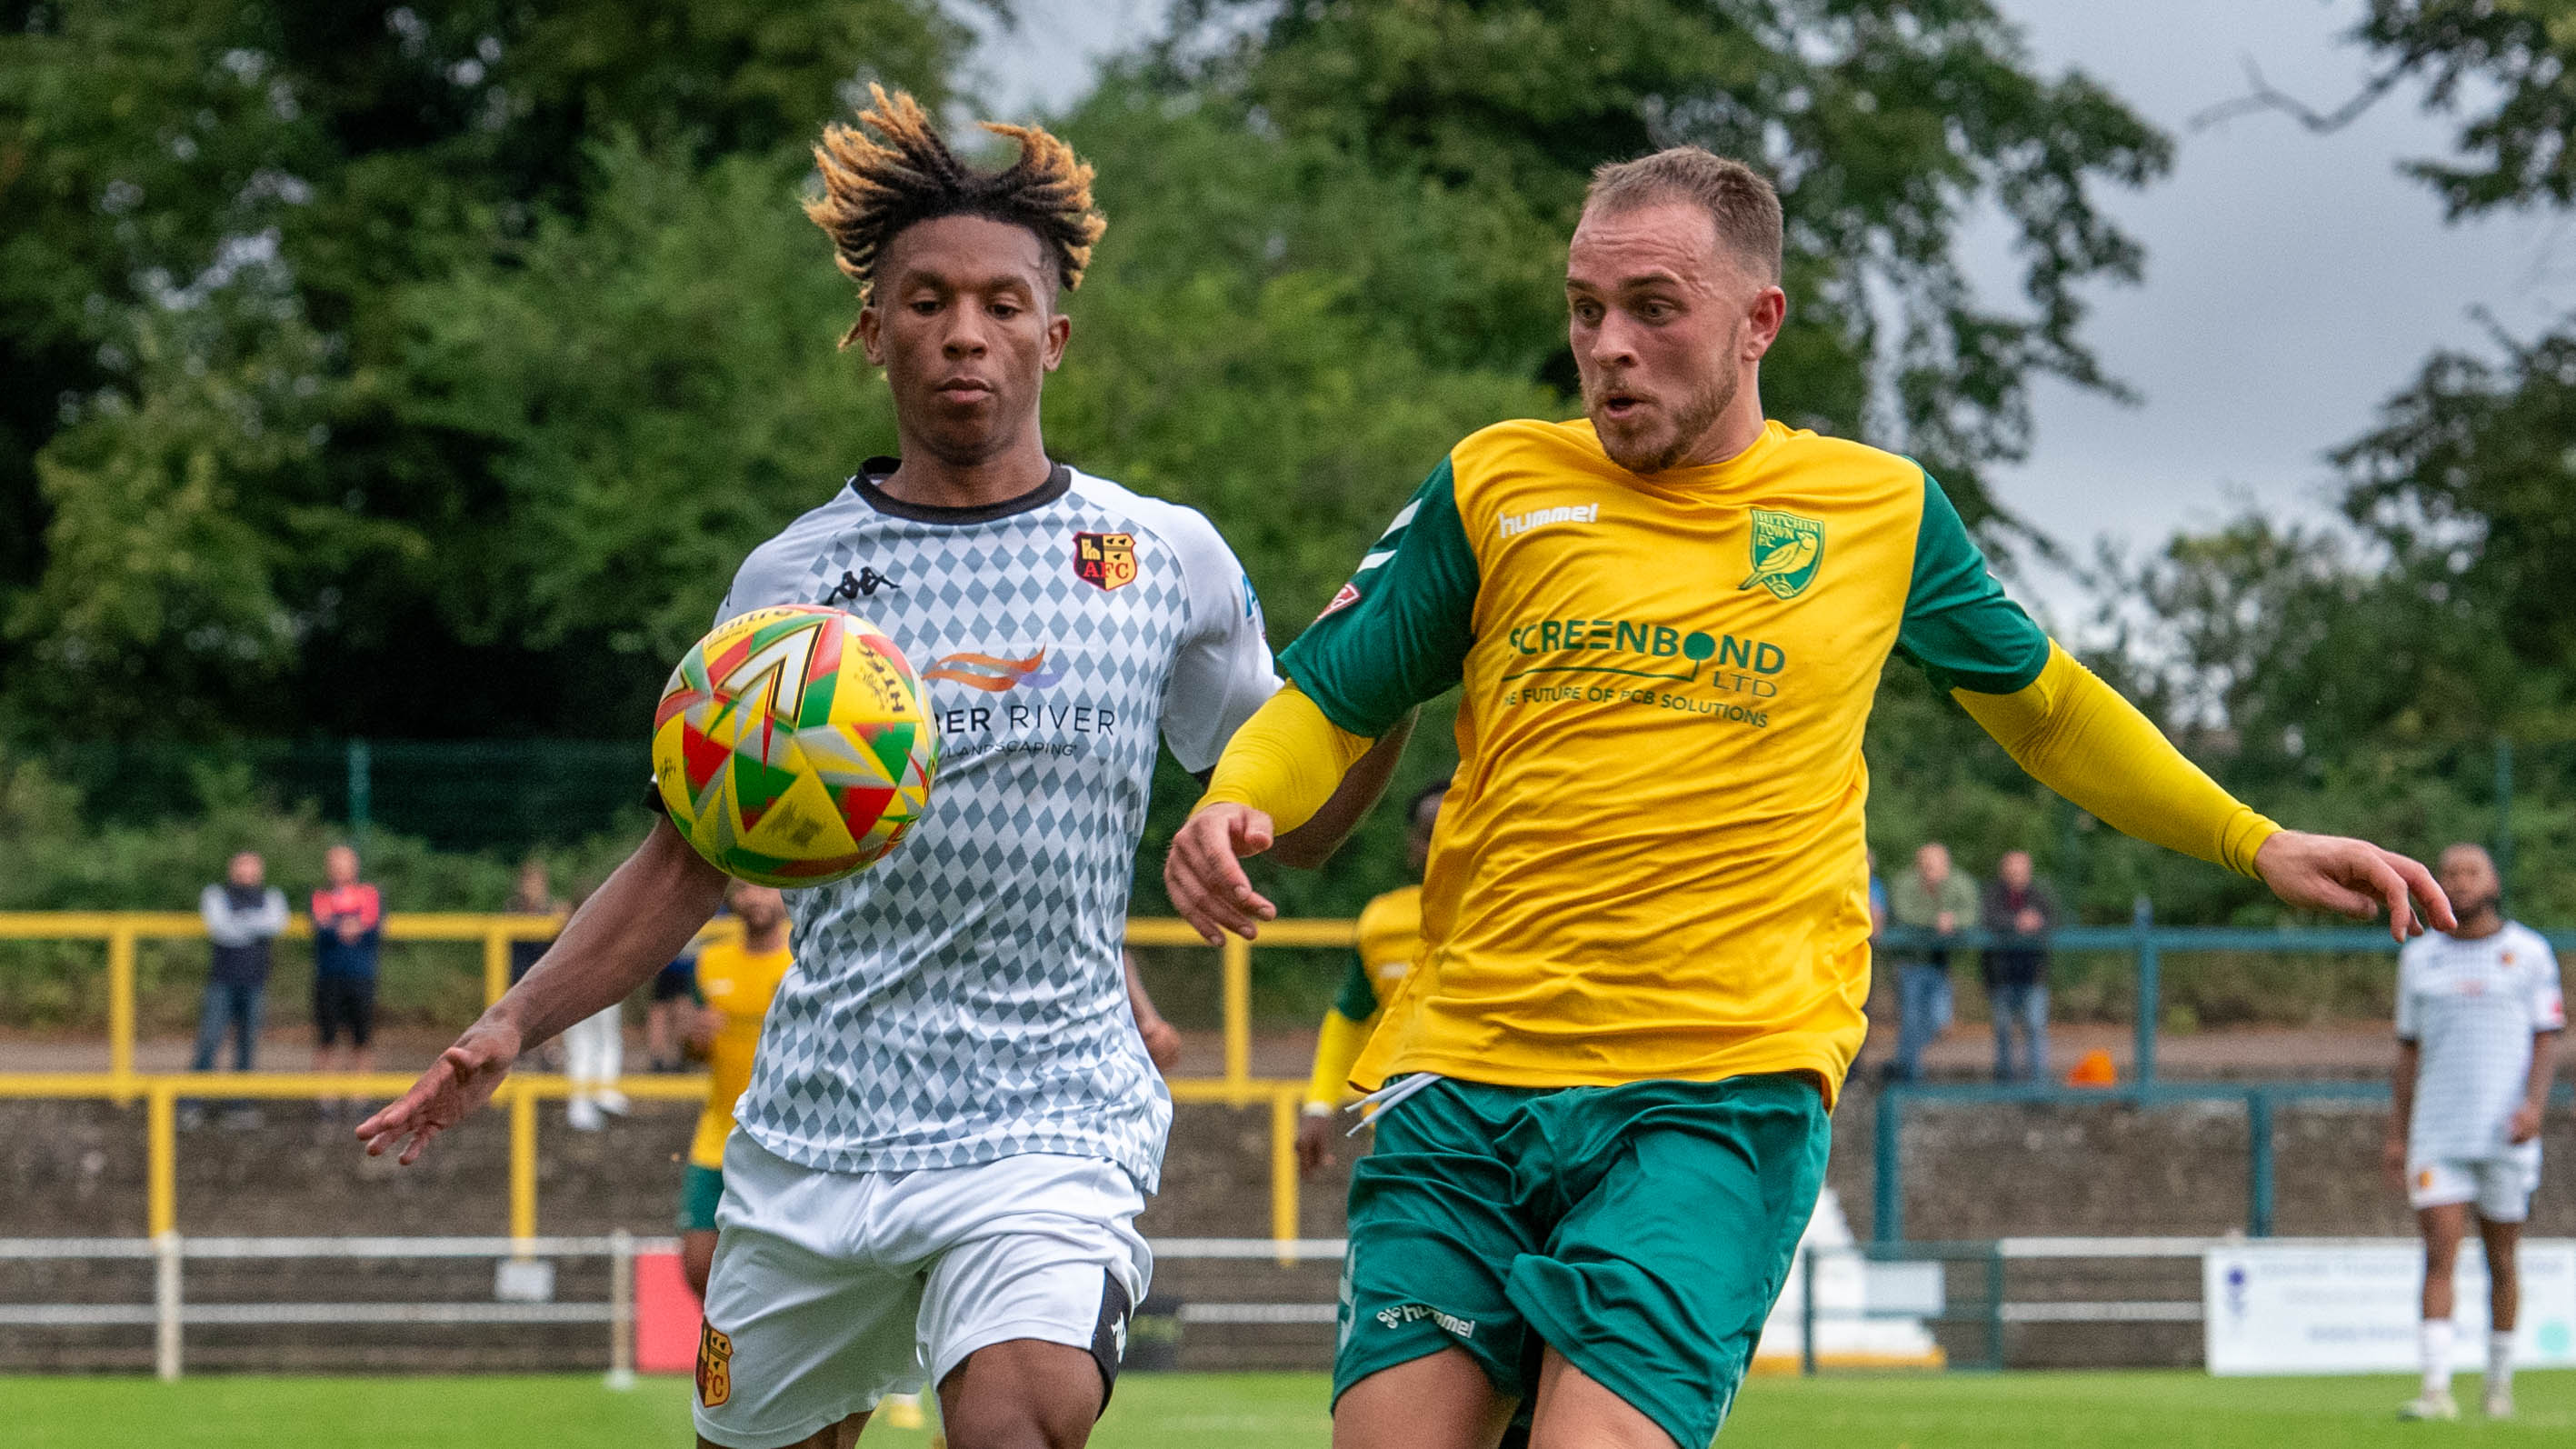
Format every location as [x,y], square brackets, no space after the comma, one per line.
[1963,1411]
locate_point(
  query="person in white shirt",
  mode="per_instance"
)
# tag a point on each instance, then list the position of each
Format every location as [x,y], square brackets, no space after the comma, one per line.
[2478,1016]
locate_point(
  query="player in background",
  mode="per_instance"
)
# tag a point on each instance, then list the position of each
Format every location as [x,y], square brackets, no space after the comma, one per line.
[2479,1011]
[737,977]
[1603,1122]
[952,1121]
[1390,942]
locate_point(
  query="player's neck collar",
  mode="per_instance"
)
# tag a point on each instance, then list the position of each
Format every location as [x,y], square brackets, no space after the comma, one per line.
[865,483]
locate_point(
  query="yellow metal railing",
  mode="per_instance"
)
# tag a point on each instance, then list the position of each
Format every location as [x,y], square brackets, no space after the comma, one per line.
[122,929]
[518,1097]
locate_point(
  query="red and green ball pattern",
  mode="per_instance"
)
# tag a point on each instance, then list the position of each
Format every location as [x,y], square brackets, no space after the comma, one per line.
[794,746]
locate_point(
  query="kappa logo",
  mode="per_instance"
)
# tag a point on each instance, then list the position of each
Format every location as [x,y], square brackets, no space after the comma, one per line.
[861,585]
[1787,551]
[995,675]
[715,1367]
[1106,561]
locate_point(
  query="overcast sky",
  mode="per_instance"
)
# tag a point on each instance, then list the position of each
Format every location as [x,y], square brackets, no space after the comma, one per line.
[2293,280]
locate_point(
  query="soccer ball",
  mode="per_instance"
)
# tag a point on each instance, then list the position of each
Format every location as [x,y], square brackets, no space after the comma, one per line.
[794,746]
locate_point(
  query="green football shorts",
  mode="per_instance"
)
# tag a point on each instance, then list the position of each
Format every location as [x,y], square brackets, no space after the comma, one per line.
[701,1188]
[1641,1230]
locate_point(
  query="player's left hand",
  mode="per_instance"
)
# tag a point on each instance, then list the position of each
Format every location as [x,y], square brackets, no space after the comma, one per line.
[2354,879]
[2525,1124]
[1202,876]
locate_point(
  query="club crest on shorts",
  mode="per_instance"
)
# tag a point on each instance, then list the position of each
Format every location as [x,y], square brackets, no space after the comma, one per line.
[1105,561]
[715,1367]
[1787,550]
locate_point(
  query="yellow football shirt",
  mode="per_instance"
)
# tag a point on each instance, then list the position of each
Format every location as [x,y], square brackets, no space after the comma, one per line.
[1651,861]
[737,984]
[1390,942]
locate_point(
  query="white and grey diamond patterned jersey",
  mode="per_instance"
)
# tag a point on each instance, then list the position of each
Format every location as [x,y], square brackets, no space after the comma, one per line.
[964,1001]
[2472,1008]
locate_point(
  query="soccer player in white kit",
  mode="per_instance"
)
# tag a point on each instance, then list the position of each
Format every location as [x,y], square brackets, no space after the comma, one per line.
[952,1120]
[2478,1016]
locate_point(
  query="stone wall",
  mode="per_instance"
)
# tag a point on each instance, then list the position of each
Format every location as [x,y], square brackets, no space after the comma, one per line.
[77,1169]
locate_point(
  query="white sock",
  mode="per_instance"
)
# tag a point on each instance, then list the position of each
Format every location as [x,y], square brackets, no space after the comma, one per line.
[2499,1361]
[2435,1338]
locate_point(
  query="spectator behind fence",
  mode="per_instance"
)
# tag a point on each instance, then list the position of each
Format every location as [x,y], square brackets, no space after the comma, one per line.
[1930,897]
[348,929]
[2021,912]
[243,914]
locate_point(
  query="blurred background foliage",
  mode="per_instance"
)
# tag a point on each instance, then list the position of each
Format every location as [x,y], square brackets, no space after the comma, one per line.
[420,373]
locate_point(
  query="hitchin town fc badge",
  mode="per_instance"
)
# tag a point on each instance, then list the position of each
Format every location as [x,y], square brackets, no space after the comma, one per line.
[715,1366]
[1105,560]
[1786,552]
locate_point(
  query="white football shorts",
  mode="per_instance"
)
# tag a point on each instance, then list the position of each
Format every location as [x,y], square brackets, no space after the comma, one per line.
[2500,1187]
[831,1290]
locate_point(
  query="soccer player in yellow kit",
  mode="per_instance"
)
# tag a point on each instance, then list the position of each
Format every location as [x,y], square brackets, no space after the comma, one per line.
[1390,942]
[737,976]
[1604,1122]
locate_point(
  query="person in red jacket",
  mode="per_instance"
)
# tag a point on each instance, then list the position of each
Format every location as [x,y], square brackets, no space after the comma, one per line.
[348,929]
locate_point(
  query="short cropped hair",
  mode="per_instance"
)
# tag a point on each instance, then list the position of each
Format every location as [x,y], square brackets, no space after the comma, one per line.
[874,186]
[1738,198]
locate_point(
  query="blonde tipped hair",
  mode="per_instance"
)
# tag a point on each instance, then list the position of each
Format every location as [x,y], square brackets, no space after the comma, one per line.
[876,185]
[1739,199]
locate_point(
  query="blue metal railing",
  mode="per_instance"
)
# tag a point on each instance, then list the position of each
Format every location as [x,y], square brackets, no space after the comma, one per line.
[2146,942]
[1887,1217]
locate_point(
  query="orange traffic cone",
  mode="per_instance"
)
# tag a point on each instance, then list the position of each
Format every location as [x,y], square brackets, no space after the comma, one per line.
[2094,1070]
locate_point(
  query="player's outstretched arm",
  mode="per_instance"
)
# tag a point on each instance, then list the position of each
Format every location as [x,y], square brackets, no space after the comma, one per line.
[628,929]
[1310,845]
[2076,735]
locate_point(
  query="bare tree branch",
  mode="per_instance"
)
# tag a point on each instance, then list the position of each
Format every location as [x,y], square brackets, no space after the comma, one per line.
[2261,96]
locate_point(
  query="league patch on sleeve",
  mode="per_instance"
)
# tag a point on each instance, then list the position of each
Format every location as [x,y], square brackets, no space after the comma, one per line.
[1349,595]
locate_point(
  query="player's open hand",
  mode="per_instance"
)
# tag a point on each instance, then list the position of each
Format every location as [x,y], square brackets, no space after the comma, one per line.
[2355,879]
[1204,878]
[463,1079]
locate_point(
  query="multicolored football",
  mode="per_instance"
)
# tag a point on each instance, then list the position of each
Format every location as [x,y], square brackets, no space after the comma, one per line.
[794,746]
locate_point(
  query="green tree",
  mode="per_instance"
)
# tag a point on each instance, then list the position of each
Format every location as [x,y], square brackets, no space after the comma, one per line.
[1885,125]
[204,203]
[2468,482]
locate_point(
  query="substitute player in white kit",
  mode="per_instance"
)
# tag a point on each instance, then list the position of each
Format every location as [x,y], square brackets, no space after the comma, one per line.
[2478,1016]
[952,1121]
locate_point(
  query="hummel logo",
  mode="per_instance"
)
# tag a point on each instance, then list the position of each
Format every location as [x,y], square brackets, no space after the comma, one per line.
[1511,524]
[863,584]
